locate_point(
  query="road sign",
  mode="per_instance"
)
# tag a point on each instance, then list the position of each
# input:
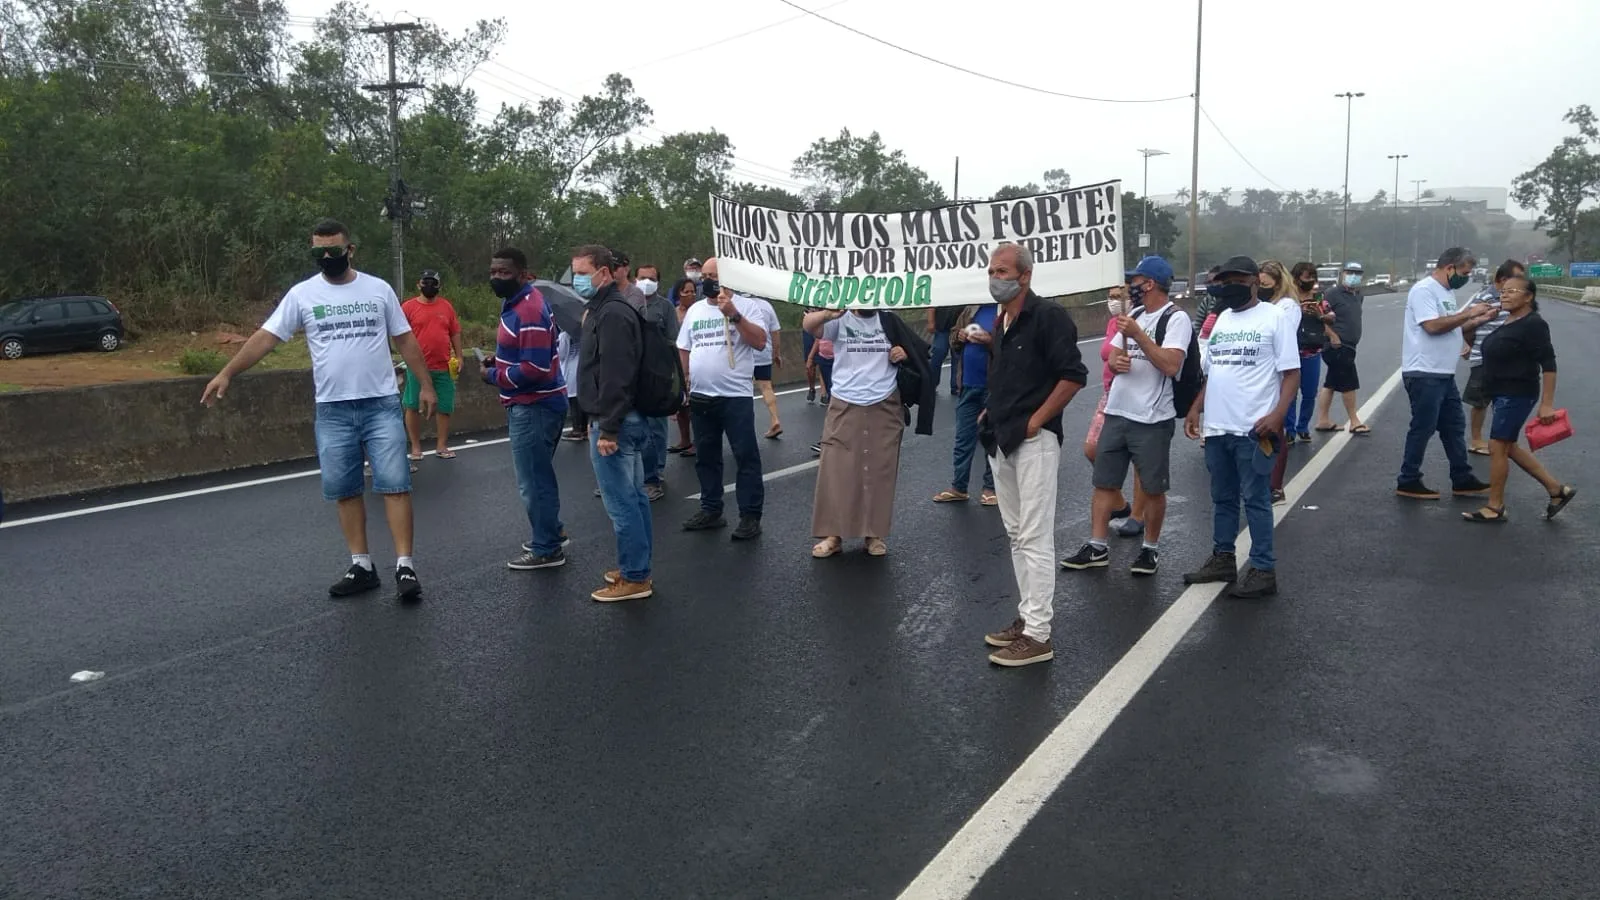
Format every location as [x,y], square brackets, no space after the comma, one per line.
[1585,270]
[1544,270]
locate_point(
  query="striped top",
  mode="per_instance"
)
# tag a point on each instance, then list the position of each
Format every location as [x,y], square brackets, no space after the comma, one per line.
[1487,295]
[526,367]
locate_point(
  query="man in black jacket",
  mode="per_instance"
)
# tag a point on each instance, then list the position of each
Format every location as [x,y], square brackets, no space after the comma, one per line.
[1035,369]
[608,372]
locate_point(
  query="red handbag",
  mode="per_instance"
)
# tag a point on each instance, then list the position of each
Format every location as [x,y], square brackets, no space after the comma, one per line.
[1541,435]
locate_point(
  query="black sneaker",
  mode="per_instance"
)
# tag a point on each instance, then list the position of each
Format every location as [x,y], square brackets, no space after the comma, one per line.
[529,561]
[1416,490]
[1220,567]
[1147,563]
[811,395]
[1278,496]
[654,491]
[1254,585]
[1088,557]
[817,448]
[1304,437]
[704,521]
[1470,488]
[407,588]
[357,580]
[749,528]
[527,546]
[1126,512]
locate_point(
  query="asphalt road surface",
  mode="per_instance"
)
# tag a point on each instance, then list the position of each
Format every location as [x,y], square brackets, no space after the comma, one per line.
[1417,715]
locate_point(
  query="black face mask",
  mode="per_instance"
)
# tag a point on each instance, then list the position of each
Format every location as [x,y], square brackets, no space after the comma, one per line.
[334,266]
[710,288]
[1264,294]
[1308,286]
[1231,296]
[505,288]
[430,291]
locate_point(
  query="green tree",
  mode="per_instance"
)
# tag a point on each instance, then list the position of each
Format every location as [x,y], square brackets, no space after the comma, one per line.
[1013,191]
[861,174]
[1567,178]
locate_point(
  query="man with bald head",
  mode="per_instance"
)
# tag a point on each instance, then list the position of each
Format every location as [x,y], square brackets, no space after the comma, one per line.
[718,341]
[1034,371]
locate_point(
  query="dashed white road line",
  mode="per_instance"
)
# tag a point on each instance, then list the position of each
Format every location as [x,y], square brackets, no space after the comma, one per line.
[955,872]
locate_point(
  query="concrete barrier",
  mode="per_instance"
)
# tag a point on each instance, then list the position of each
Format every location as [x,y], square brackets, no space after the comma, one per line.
[73,440]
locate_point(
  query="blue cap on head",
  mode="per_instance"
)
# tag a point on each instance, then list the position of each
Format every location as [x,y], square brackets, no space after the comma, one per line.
[1156,269]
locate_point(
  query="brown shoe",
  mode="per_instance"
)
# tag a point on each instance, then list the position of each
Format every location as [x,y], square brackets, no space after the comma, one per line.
[624,590]
[613,576]
[1024,651]
[1005,638]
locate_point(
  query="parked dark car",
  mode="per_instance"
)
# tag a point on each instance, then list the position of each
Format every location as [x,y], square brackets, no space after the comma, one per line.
[41,324]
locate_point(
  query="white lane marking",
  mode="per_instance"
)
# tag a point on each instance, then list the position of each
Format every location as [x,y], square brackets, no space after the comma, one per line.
[955,872]
[769,476]
[215,489]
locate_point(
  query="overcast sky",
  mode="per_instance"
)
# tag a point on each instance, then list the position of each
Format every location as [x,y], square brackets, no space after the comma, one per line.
[1472,90]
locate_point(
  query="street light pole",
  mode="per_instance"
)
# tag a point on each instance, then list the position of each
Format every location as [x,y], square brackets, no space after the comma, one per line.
[1349,104]
[1144,225]
[1394,245]
[1194,164]
[1416,222]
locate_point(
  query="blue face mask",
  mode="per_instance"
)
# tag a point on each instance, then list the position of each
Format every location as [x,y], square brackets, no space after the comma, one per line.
[1352,281]
[583,286]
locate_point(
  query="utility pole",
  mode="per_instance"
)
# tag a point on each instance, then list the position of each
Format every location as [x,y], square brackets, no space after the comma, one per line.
[398,203]
[1194,164]
[1144,226]
[1349,104]
[1416,223]
[1394,245]
[955,190]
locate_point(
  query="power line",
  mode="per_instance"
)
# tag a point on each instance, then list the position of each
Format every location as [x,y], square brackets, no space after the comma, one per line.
[735,37]
[986,77]
[1236,150]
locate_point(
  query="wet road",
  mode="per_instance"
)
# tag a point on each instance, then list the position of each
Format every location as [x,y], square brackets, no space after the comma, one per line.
[1416,715]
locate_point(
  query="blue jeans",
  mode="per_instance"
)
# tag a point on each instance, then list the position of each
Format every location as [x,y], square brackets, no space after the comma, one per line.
[621,477]
[535,431]
[1435,408]
[735,417]
[940,347]
[373,428]
[972,402]
[655,458]
[1310,378]
[1239,471]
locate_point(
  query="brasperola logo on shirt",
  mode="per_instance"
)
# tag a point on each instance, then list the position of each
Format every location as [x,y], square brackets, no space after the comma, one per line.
[346,321]
[1238,348]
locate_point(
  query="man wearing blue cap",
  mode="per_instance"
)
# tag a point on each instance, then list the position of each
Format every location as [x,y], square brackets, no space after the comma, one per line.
[1140,416]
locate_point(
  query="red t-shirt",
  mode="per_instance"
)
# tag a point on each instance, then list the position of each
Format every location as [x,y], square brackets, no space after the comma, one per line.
[434,324]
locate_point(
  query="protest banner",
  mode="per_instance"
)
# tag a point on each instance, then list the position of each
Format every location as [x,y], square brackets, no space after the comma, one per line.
[918,258]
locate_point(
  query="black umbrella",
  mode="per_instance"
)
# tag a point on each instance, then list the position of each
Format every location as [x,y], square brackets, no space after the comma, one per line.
[566,307]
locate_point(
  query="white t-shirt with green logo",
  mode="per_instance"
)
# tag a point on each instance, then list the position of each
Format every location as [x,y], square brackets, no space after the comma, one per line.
[1244,360]
[706,333]
[347,328]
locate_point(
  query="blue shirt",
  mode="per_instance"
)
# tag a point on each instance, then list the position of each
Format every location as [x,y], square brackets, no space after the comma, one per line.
[975,357]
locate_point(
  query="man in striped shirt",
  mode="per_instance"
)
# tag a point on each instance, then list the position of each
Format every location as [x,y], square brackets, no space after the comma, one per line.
[1472,349]
[527,370]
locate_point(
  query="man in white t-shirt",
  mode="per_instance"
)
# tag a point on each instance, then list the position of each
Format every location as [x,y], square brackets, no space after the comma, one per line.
[349,318]
[768,358]
[1139,416]
[1430,349]
[1252,364]
[718,341]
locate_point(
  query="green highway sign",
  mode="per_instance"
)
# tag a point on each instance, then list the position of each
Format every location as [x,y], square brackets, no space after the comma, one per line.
[1544,270]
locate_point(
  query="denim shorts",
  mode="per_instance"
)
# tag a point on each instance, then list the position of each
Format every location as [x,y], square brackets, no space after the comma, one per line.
[350,431]
[1510,414]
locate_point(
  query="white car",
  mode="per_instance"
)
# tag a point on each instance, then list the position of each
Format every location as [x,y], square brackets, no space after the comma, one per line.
[1380,279]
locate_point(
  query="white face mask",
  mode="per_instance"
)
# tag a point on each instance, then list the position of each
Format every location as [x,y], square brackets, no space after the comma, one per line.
[692,274]
[647,286]
[1114,307]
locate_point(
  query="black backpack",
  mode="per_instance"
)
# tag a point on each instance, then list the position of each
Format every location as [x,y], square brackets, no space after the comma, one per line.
[660,388]
[1186,386]
[1310,333]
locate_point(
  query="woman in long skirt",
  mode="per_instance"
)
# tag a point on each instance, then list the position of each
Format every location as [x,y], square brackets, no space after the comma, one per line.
[861,437]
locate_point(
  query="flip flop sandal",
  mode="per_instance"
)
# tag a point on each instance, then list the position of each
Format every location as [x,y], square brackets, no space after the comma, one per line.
[1560,501]
[1330,428]
[827,547]
[772,435]
[446,454]
[686,453]
[1477,515]
[1361,431]
[1478,451]
[414,457]
[949,497]
[989,500]
[876,547]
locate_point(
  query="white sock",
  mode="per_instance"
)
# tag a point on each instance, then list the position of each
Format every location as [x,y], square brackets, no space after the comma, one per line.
[404,562]
[1099,544]
[1151,545]
[364,560]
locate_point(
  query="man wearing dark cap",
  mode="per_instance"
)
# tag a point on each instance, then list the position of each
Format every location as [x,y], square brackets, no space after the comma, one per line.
[1252,365]
[433,320]
[691,270]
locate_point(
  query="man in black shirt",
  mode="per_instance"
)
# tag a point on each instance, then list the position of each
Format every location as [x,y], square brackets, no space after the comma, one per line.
[1344,301]
[1034,371]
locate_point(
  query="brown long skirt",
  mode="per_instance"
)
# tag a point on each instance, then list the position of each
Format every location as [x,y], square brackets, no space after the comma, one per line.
[859,468]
